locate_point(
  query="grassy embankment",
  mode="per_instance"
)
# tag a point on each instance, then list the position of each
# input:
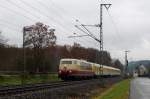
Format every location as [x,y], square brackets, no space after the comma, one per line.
[117,91]
[30,79]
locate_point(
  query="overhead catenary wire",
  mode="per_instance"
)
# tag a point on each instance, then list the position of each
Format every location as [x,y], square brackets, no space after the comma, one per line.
[61,19]
[84,42]
[16,12]
[20,7]
[61,9]
[77,36]
[81,30]
[33,15]
[116,28]
[17,6]
[114,24]
[87,31]
[73,18]
[104,2]
[9,23]
[84,39]
[46,15]
[119,38]
[37,10]
[116,31]
[48,7]
[58,13]
[9,27]
[79,41]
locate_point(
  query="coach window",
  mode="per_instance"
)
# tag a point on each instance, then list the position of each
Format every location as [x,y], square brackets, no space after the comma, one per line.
[75,62]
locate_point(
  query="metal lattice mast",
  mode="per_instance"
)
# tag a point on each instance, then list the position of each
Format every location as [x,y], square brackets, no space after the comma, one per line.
[101,39]
[89,33]
[101,27]
[101,34]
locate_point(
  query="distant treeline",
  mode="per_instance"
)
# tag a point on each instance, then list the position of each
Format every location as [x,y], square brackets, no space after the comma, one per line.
[11,58]
[41,54]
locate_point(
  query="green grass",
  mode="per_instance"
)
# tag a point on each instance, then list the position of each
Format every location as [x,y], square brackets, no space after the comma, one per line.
[9,80]
[29,79]
[117,91]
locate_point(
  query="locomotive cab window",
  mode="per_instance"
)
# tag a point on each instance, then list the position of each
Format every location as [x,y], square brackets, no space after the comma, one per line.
[66,62]
[74,62]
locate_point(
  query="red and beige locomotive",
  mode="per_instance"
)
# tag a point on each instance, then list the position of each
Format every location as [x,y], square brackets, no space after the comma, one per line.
[75,68]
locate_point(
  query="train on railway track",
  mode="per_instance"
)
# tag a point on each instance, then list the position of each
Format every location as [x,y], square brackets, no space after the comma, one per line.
[82,69]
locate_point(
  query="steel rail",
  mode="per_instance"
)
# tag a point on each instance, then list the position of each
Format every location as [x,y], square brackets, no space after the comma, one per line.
[30,88]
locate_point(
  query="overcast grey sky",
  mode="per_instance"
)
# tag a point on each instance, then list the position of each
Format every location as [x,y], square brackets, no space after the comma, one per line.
[126,26]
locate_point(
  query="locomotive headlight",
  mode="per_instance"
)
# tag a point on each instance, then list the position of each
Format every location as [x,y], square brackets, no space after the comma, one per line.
[60,71]
[70,71]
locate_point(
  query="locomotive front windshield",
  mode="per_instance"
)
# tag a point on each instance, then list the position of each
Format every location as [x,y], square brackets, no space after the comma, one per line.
[66,62]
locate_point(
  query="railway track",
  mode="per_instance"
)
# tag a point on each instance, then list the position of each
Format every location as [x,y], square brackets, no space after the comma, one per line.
[7,91]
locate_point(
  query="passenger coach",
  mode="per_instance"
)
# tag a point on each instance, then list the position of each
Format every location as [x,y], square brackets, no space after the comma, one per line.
[75,68]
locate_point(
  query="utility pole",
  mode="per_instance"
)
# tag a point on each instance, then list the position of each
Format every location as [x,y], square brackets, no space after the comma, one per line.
[107,6]
[126,62]
[24,58]
[25,29]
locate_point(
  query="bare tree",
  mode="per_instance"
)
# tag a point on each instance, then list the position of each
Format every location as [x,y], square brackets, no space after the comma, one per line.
[117,64]
[3,41]
[38,37]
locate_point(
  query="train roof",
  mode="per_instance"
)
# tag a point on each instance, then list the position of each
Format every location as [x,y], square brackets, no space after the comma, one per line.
[72,59]
[111,68]
[104,66]
[68,59]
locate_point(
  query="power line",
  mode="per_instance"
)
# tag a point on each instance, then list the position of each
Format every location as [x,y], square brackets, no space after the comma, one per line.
[85,42]
[77,36]
[57,12]
[87,31]
[70,18]
[115,26]
[47,7]
[84,39]
[8,22]
[20,7]
[15,12]
[60,8]
[91,34]
[37,10]
[9,27]
[41,12]
[60,20]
